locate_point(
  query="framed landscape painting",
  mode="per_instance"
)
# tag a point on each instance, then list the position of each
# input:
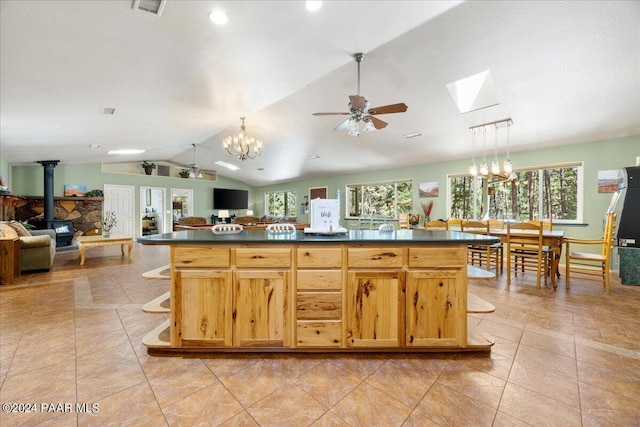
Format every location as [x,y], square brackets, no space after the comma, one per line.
[73,190]
[429,189]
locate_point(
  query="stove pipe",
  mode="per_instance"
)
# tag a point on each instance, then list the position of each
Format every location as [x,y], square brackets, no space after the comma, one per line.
[48,166]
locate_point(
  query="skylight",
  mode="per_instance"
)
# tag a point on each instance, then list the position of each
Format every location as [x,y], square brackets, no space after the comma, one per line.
[474,93]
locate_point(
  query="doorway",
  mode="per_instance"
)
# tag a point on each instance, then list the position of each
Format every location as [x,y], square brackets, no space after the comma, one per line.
[181,203]
[152,207]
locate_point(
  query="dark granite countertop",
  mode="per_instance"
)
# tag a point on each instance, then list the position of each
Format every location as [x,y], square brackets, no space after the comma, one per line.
[420,237]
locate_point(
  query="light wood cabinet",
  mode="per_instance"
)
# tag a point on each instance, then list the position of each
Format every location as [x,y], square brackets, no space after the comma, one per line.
[319,296]
[375,309]
[201,308]
[435,309]
[260,309]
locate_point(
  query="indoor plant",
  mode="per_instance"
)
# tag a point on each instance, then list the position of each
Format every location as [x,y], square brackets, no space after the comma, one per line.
[148,167]
[184,173]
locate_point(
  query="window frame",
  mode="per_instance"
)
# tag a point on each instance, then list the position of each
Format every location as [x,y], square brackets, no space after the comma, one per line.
[285,193]
[579,165]
[347,197]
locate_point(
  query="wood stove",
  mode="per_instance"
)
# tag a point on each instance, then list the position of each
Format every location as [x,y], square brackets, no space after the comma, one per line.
[63,228]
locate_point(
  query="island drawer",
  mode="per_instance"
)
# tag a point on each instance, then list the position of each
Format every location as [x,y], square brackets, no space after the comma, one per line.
[375,257]
[319,305]
[438,256]
[263,257]
[315,280]
[319,334]
[319,257]
[200,257]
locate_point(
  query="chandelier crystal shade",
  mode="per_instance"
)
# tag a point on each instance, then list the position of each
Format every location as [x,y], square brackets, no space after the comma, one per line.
[242,145]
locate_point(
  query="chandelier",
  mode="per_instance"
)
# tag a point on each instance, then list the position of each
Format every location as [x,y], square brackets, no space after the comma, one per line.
[242,145]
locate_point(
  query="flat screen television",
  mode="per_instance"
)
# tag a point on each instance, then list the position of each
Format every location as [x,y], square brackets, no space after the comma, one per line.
[230,199]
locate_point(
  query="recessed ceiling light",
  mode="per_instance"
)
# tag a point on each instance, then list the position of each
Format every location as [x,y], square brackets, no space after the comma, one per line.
[218,17]
[227,165]
[412,134]
[313,5]
[127,151]
[260,169]
[94,145]
[109,111]
[315,156]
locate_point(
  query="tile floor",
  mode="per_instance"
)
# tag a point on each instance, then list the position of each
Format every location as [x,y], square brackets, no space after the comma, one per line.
[73,336]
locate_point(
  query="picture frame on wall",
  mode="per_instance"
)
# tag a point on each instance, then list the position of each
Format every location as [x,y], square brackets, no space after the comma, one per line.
[74,190]
[318,193]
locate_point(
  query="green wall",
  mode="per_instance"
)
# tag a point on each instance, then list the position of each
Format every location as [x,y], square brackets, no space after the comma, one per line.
[596,155]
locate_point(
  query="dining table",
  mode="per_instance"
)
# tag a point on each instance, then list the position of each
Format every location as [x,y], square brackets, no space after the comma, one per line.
[550,238]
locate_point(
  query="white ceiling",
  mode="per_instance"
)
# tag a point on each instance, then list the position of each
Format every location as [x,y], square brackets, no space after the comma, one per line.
[564,71]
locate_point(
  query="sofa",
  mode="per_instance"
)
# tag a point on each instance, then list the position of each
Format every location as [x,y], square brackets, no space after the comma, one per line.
[37,247]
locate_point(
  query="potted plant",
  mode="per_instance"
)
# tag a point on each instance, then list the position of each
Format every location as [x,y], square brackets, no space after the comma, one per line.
[108,221]
[148,167]
[184,173]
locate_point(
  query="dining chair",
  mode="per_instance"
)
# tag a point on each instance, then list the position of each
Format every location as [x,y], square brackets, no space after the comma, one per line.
[525,250]
[603,259]
[483,253]
[403,221]
[496,224]
[455,224]
[548,226]
[436,224]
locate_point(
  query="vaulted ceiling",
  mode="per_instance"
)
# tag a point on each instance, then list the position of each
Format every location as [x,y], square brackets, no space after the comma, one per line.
[565,72]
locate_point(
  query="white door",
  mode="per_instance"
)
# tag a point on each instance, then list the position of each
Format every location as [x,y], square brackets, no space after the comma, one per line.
[120,199]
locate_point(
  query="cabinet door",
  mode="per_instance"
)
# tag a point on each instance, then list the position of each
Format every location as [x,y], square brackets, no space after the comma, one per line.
[375,309]
[436,308]
[260,309]
[201,308]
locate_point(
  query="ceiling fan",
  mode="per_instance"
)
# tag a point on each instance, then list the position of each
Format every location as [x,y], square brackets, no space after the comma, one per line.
[359,110]
[194,170]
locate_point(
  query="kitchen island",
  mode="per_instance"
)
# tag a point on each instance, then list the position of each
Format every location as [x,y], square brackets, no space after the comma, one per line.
[365,290]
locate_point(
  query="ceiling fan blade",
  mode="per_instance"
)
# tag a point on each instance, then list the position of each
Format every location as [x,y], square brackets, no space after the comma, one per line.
[342,125]
[386,109]
[357,102]
[377,123]
[331,114]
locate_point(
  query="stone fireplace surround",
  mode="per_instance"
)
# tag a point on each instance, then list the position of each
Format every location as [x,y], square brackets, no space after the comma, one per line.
[84,212]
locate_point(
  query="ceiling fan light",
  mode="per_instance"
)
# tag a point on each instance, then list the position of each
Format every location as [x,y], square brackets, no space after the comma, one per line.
[369,127]
[353,131]
[192,175]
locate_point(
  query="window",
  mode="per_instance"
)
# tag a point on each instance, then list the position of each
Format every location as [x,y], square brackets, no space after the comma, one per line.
[379,200]
[280,203]
[550,192]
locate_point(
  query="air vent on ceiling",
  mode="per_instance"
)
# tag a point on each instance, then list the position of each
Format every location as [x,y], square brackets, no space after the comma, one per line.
[151,6]
[164,170]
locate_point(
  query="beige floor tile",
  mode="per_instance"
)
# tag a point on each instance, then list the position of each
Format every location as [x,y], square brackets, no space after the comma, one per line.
[181,382]
[368,406]
[533,408]
[491,363]
[100,384]
[123,408]
[155,420]
[406,385]
[293,365]
[109,358]
[603,406]
[548,341]
[445,406]
[477,385]
[329,419]
[616,381]
[504,420]
[358,365]
[327,382]
[254,383]
[243,419]
[225,365]
[287,406]
[545,382]
[212,405]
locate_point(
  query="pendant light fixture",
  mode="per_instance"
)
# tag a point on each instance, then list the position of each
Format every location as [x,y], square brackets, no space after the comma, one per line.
[495,165]
[473,169]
